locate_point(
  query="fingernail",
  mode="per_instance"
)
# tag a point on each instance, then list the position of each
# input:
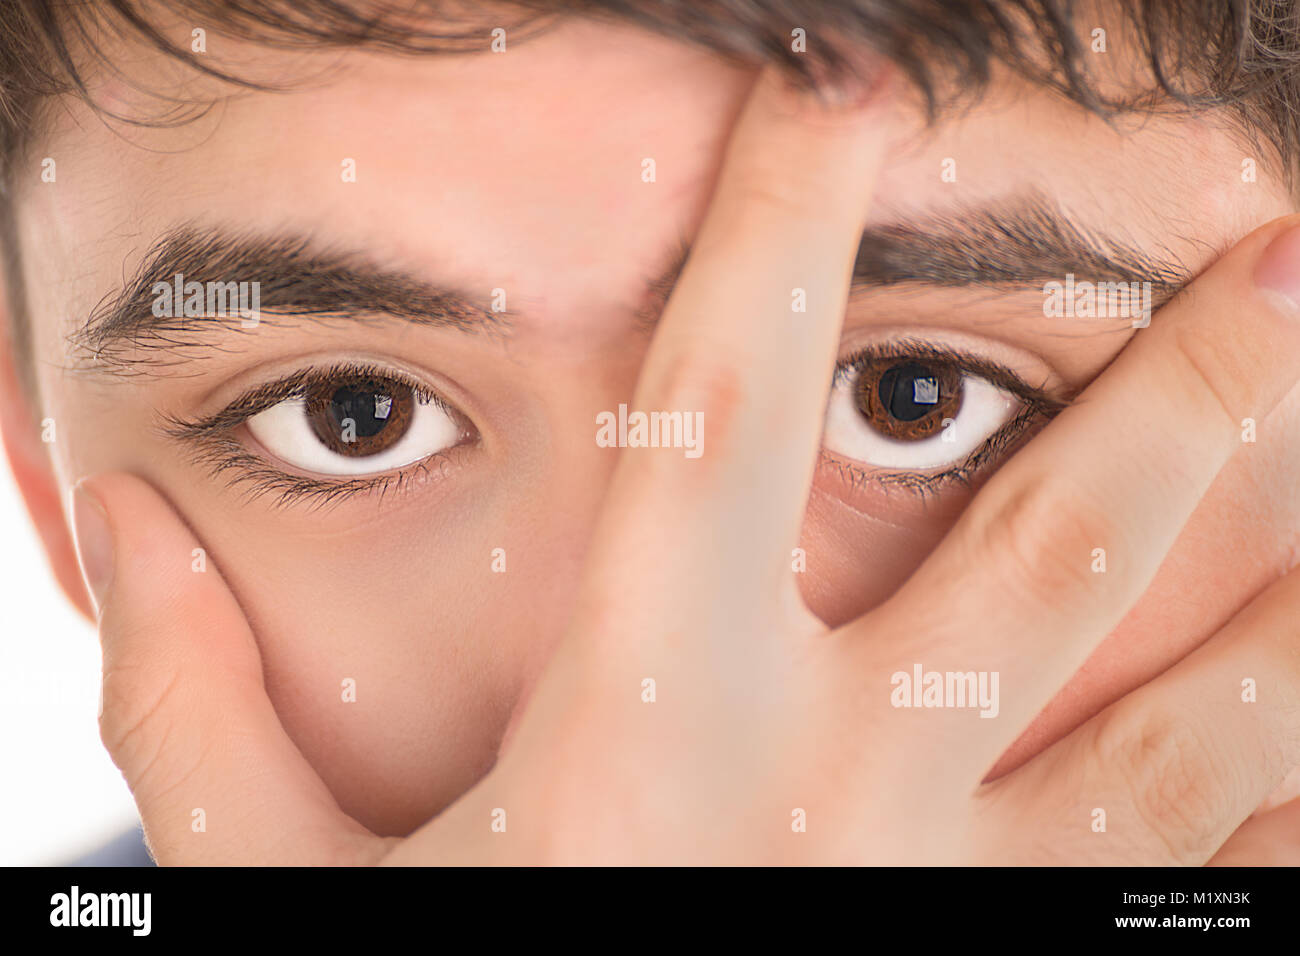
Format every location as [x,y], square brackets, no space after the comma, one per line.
[1278,269]
[94,542]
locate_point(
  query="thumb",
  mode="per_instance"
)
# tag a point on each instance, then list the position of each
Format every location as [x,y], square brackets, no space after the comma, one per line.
[185,713]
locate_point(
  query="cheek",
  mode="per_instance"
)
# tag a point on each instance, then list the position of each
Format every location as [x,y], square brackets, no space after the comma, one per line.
[372,662]
[857,556]
[854,562]
[377,645]
[393,652]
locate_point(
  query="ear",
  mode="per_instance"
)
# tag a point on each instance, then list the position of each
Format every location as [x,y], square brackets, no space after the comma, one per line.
[33,472]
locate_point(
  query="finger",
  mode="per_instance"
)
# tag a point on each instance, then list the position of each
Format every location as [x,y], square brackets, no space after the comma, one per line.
[185,714]
[735,355]
[1016,587]
[1269,839]
[1179,763]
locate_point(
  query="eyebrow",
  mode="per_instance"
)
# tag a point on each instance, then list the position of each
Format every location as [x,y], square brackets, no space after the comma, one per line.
[1014,244]
[295,278]
[1011,244]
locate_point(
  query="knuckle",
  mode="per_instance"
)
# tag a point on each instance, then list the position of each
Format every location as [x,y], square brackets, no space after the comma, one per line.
[1044,535]
[1214,370]
[763,191]
[136,722]
[1176,788]
[710,387]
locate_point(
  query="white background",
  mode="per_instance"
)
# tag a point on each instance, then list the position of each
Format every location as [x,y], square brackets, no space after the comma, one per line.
[60,795]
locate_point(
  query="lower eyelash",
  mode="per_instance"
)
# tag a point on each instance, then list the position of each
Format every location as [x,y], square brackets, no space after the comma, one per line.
[925,485]
[229,459]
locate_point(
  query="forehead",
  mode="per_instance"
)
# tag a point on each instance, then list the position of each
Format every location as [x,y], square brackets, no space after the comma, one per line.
[572,167]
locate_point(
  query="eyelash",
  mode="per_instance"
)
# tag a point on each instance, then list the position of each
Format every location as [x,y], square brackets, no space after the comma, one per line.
[223,454]
[1038,407]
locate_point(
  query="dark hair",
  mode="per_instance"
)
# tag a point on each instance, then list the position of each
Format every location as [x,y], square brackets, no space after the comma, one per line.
[1243,55]
[1239,55]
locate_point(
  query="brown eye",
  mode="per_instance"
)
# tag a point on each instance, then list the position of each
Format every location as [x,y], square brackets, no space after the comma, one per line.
[360,417]
[352,422]
[908,400]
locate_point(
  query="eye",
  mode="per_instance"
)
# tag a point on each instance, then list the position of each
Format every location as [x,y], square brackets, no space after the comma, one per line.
[356,424]
[913,412]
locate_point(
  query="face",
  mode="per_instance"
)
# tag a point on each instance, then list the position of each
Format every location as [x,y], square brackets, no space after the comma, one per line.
[431,557]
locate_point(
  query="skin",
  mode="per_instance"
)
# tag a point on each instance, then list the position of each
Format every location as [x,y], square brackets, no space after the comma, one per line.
[764,708]
[444,652]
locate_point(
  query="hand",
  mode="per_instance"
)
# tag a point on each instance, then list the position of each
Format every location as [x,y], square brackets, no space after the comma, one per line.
[760,711]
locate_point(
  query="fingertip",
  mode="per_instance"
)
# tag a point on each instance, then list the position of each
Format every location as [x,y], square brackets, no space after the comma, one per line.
[94,541]
[1277,271]
[138,557]
[105,509]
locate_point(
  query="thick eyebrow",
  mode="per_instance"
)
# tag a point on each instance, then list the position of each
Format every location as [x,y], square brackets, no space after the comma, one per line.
[295,279]
[1010,245]
[1014,244]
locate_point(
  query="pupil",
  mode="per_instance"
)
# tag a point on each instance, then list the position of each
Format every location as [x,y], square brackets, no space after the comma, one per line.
[909,391]
[364,406]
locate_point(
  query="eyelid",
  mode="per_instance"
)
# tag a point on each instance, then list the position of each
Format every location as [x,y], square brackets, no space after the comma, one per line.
[961,472]
[296,385]
[962,360]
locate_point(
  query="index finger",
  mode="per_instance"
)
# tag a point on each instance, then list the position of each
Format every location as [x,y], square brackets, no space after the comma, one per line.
[745,352]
